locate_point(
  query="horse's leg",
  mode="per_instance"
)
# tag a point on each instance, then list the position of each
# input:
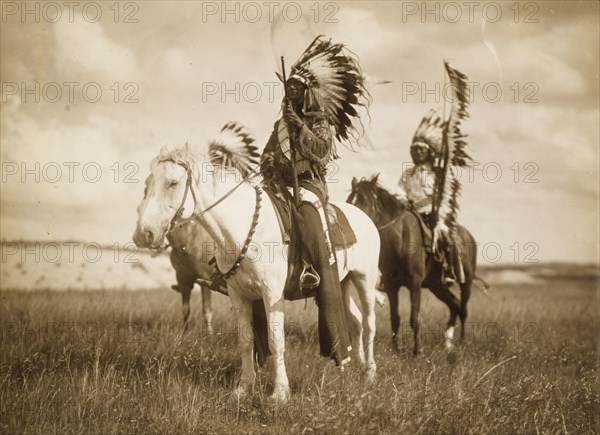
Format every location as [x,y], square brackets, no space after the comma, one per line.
[261,332]
[393,293]
[465,294]
[365,286]
[185,302]
[354,317]
[446,296]
[275,317]
[243,314]
[415,309]
[185,284]
[468,255]
[207,309]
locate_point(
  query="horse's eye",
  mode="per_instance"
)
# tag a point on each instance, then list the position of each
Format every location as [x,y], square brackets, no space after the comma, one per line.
[173,183]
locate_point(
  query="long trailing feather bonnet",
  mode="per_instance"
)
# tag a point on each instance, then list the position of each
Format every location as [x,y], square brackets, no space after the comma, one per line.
[335,85]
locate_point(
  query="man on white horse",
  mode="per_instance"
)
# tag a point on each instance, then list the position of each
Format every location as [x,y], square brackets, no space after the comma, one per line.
[417,185]
[324,86]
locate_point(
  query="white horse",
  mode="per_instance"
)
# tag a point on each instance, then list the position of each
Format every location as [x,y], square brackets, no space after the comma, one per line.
[243,223]
[190,262]
[233,147]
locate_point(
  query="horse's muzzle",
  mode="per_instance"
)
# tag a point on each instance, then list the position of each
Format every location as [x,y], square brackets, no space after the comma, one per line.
[146,238]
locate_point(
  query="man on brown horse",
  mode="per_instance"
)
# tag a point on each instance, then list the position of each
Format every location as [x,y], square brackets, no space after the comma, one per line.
[324,85]
[417,185]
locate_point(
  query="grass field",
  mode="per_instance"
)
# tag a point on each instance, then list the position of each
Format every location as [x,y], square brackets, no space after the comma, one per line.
[117,362]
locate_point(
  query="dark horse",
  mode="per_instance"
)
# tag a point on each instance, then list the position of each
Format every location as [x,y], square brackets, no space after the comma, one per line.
[403,260]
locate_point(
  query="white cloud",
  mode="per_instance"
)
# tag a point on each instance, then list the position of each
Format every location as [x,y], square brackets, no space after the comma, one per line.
[84,51]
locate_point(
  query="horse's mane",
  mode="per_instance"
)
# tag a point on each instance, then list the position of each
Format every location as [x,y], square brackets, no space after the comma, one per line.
[232,148]
[389,201]
[382,198]
[187,156]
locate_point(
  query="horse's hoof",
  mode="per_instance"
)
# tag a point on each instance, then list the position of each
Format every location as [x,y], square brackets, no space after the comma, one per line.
[448,337]
[380,297]
[239,392]
[243,387]
[370,372]
[280,395]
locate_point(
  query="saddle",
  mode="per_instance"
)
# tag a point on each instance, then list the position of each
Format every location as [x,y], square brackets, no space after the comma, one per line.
[340,234]
[427,234]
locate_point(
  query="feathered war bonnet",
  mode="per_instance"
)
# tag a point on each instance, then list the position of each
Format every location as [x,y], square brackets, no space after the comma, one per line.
[234,147]
[334,87]
[429,133]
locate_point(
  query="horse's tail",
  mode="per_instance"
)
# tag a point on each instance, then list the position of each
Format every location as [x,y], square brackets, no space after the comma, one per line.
[469,246]
[485,286]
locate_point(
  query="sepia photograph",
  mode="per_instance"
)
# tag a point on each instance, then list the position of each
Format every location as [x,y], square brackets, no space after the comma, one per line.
[300,217]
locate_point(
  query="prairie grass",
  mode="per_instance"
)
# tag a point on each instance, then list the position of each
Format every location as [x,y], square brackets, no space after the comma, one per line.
[118,362]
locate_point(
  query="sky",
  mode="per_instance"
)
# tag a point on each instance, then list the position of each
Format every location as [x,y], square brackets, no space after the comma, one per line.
[91,92]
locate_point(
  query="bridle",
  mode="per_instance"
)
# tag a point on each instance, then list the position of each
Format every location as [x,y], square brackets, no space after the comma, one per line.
[175,222]
[376,208]
[188,187]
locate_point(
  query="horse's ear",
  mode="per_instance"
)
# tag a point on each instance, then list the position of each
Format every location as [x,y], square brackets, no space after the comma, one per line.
[354,182]
[279,76]
[375,178]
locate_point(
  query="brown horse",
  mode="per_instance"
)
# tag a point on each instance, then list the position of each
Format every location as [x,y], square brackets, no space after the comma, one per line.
[189,257]
[403,260]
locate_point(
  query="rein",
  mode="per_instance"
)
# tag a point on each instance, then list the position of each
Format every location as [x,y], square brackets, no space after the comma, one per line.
[388,224]
[188,187]
[383,227]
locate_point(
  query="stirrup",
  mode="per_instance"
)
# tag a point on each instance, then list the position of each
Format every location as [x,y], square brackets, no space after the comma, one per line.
[449,281]
[218,282]
[448,278]
[309,278]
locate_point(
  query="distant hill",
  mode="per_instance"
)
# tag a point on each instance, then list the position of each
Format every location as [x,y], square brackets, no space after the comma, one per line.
[541,271]
[77,265]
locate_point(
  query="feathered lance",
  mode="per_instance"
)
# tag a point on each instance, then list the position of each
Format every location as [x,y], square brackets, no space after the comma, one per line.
[292,142]
[441,170]
[453,146]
